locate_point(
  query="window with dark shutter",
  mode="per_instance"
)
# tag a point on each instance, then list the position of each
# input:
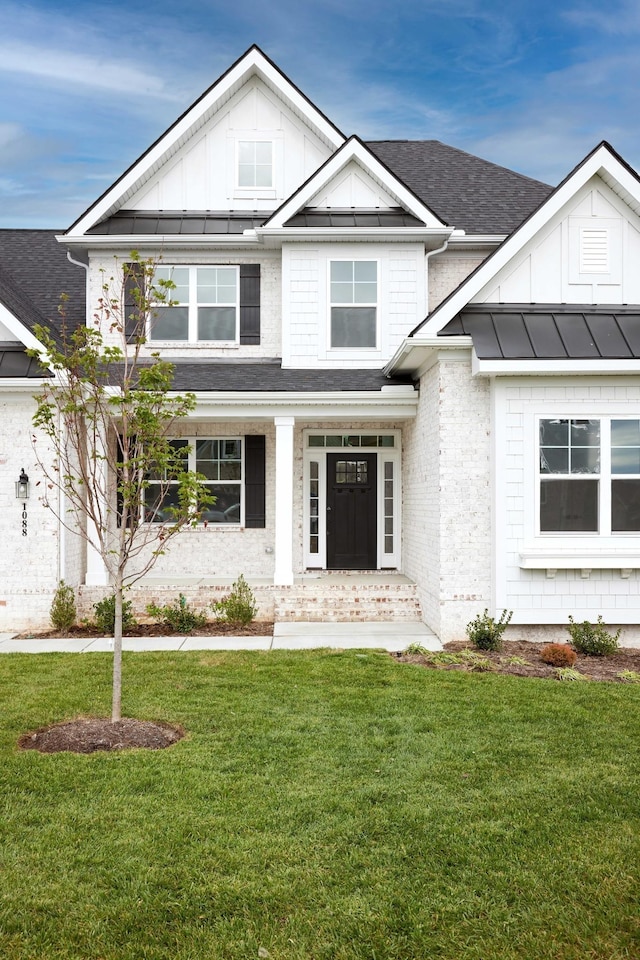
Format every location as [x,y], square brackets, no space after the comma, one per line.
[254,494]
[250,303]
[133,291]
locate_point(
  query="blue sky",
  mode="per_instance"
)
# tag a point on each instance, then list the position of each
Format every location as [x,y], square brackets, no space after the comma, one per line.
[85,87]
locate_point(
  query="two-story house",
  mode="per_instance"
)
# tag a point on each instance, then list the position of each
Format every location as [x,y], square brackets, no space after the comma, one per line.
[416,372]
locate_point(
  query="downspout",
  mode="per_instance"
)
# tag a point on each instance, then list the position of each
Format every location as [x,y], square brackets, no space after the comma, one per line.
[405,346]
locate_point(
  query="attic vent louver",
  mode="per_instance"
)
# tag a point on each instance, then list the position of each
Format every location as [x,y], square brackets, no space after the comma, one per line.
[594,251]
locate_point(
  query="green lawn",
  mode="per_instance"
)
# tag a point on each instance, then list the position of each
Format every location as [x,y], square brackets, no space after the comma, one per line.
[324,805]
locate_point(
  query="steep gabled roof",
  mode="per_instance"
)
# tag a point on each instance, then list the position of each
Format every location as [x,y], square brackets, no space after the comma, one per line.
[252,63]
[467,192]
[355,150]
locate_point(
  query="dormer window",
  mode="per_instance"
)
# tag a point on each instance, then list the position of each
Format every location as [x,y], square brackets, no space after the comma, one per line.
[255,164]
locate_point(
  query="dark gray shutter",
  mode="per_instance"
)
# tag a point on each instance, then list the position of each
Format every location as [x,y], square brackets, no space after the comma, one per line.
[133,322]
[250,303]
[254,481]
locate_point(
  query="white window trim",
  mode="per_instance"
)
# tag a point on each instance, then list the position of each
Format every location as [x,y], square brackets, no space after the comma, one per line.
[319,454]
[604,478]
[191,440]
[253,189]
[193,304]
[349,353]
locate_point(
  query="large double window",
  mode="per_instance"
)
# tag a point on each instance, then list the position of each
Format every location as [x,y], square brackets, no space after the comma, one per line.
[204,304]
[589,475]
[219,461]
[354,304]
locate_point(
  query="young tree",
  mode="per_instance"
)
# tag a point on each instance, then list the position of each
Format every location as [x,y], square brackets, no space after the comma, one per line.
[108,413]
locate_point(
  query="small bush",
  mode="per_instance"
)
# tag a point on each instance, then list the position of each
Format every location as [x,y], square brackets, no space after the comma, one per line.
[594,640]
[105,615]
[629,676]
[240,606]
[63,608]
[415,648]
[569,673]
[558,654]
[178,615]
[485,632]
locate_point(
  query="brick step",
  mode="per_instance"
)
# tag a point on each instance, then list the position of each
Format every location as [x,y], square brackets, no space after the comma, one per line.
[330,602]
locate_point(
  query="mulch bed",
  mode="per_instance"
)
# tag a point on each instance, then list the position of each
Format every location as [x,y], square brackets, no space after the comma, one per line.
[95,734]
[593,668]
[215,628]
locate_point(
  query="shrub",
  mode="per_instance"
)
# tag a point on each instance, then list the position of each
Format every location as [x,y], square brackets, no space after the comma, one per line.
[105,615]
[63,608]
[416,648]
[569,673]
[240,606]
[178,615]
[558,654]
[629,676]
[485,632]
[594,640]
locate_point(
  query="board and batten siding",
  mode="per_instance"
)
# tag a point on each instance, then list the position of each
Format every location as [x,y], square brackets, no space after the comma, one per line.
[548,595]
[203,173]
[554,267]
[306,301]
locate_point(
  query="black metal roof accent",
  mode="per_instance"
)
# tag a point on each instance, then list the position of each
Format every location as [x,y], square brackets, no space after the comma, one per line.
[353,217]
[217,376]
[464,191]
[34,272]
[549,332]
[14,362]
[155,222]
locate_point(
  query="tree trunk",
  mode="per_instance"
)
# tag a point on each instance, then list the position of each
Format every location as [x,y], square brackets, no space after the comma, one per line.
[116,699]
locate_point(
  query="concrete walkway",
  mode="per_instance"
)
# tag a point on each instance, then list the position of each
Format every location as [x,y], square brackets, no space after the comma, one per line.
[286,636]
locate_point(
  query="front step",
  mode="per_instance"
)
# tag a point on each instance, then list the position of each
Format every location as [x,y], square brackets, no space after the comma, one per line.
[351,599]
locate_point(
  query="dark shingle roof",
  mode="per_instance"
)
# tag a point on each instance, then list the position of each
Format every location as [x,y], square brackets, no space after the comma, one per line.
[464,191]
[352,217]
[250,377]
[34,272]
[549,331]
[152,222]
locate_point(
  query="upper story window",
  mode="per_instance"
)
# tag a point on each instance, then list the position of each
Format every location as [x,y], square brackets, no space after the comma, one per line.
[589,476]
[204,305]
[255,164]
[354,303]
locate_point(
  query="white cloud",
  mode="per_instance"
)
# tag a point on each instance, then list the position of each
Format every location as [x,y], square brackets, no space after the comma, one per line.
[80,71]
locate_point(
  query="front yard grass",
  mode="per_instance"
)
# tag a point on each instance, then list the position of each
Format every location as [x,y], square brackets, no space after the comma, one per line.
[323,805]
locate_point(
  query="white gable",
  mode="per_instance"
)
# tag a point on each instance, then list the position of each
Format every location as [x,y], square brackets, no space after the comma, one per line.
[587,253]
[353,187]
[195,163]
[203,175]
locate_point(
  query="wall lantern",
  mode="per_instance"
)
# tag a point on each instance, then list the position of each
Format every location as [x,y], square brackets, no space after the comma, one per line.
[22,486]
[22,493]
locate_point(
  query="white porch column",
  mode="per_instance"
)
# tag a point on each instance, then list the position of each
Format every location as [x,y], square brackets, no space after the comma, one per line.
[283,573]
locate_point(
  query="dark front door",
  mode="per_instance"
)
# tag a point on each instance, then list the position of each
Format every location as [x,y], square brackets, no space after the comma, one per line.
[351,511]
